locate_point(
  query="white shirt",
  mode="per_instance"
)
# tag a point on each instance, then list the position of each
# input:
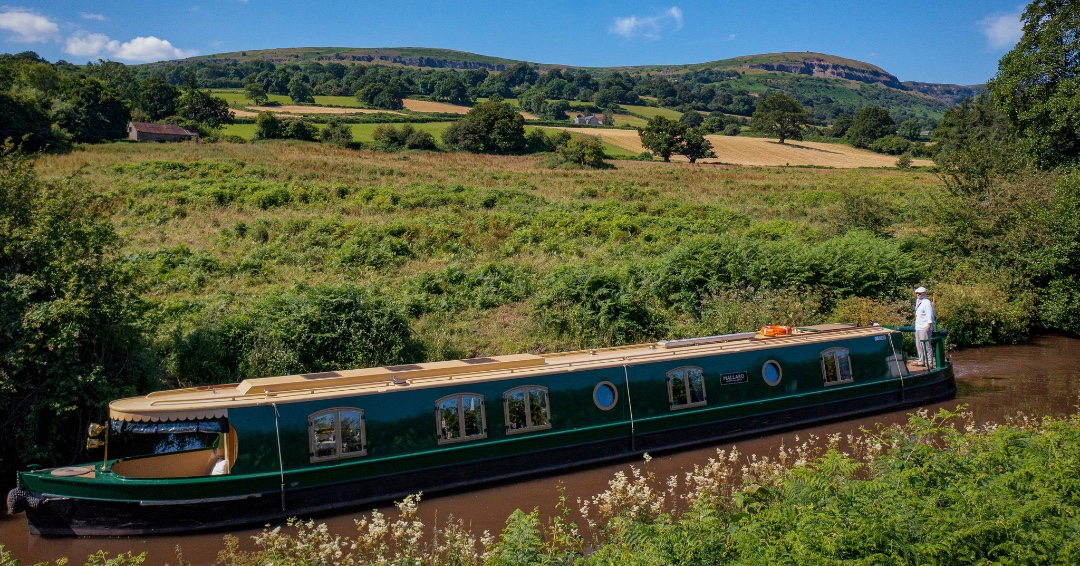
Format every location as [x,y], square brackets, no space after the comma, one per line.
[924,313]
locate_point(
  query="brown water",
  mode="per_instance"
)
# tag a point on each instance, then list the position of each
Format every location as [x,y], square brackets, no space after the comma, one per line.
[1040,378]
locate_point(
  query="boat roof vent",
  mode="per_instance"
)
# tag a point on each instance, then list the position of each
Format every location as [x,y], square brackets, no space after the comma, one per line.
[704,340]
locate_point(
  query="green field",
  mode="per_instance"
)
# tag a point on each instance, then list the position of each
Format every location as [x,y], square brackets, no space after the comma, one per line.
[650,111]
[235,98]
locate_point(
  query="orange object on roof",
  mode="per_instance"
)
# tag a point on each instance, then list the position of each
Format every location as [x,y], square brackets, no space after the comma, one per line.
[776,330]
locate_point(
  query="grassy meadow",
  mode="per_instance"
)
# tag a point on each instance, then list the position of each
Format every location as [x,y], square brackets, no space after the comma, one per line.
[493,254]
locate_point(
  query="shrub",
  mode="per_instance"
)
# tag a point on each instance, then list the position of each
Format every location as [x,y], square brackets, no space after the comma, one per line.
[583,151]
[268,126]
[891,145]
[904,161]
[732,130]
[984,308]
[305,330]
[299,129]
[337,133]
[69,312]
[596,306]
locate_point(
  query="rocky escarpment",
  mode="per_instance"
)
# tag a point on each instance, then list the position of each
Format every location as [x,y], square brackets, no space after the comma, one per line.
[822,68]
[433,62]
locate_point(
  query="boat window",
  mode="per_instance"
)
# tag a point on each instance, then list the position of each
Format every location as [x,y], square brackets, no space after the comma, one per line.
[460,417]
[337,433]
[526,409]
[836,366]
[686,387]
[605,395]
[127,439]
[771,372]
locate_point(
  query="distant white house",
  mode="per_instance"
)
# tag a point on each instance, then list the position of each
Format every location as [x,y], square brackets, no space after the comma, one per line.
[590,120]
[146,131]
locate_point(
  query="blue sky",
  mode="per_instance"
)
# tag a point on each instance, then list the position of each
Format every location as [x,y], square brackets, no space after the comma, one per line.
[941,41]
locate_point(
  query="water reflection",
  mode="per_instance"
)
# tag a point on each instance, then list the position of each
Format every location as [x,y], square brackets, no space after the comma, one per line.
[1041,378]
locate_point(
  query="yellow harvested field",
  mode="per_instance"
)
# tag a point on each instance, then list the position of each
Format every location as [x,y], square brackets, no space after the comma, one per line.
[528,116]
[244,113]
[738,150]
[297,109]
[428,106]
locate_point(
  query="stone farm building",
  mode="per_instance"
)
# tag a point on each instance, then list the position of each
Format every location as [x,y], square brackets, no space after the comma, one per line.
[590,120]
[145,131]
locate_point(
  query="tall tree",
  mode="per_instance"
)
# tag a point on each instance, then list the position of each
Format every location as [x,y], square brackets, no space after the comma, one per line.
[255,92]
[662,136]
[299,91]
[490,127]
[1038,83]
[869,125]
[67,337]
[694,145]
[780,115]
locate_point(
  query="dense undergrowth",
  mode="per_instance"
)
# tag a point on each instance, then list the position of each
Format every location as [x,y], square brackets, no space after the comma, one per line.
[481,255]
[938,489]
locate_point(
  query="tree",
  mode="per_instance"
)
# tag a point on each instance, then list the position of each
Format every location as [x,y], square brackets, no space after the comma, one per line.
[451,89]
[609,117]
[869,125]
[909,129]
[586,151]
[694,145]
[490,127]
[268,127]
[91,114]
[780,115]
[692,119]
[336,133]
[662,136]
[299,129]
[255,92]
[200,107]
[157,98]
[840,126]
[1038,82]
[68,336]
[299,91]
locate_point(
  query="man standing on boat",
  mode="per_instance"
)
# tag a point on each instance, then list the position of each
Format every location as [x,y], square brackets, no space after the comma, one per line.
[924,325]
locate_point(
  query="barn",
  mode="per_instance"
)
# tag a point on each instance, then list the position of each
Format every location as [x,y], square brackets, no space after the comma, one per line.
[146,131]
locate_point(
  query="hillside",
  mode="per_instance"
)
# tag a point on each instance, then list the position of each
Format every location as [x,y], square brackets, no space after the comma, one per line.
[827,85]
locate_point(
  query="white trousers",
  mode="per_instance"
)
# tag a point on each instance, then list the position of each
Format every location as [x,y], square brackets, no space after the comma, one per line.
[922,346]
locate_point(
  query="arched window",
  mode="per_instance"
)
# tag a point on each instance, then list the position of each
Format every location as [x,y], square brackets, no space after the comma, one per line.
[686,387]
[836,366]
[460,417]
[337,433]
[526,408]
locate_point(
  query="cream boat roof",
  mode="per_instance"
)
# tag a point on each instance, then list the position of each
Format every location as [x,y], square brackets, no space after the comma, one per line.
[216,400]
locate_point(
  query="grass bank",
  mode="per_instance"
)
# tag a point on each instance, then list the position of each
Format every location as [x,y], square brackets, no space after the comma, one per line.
[485,255]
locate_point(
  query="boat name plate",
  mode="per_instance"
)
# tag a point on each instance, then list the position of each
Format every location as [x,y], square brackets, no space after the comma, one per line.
[732,378]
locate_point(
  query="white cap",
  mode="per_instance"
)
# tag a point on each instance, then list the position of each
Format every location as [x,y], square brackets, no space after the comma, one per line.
[920,289]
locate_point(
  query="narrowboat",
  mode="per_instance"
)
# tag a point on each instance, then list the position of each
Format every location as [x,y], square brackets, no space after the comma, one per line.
[268,448]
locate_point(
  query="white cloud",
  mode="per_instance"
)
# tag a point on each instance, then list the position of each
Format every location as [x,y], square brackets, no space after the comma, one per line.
[650,27]
[91,45]
[140,49]
[731,37]
[27,26]
[151,49]
[89,16]
[1003,31]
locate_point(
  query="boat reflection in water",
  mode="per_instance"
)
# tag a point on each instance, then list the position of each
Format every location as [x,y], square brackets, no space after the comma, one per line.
[269,448]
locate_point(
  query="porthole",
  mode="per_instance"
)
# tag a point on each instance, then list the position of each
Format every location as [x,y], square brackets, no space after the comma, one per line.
[771,372]
[605,395]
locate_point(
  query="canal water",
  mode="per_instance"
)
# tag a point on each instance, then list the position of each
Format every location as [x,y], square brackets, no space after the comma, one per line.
[1039,378]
